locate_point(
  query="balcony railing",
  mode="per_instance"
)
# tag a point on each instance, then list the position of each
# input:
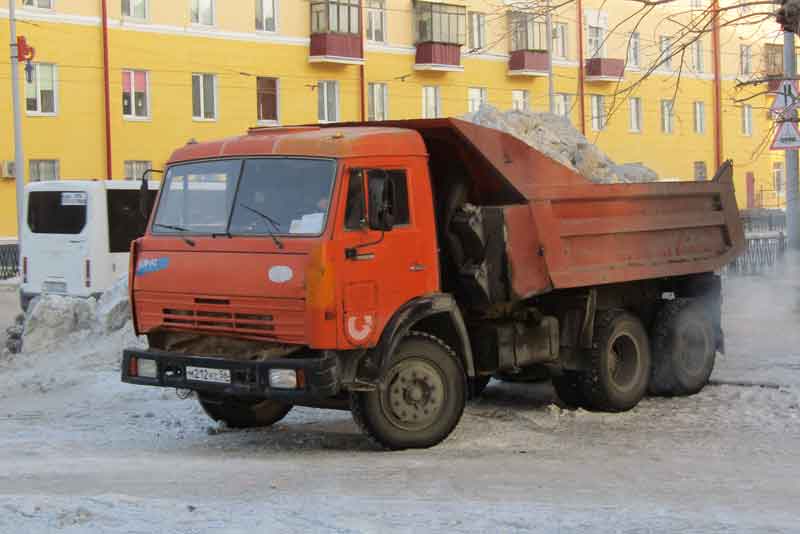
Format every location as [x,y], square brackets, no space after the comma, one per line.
[528,63]
[601,69]
[438,56]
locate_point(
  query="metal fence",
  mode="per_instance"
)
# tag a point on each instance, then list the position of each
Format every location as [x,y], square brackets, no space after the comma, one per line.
[763,220]
[9,261]
[762,254]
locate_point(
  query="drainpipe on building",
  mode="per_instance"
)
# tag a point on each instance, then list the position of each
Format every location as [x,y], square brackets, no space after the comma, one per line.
[717,85]
[361,74]
[106,92]
[581,103]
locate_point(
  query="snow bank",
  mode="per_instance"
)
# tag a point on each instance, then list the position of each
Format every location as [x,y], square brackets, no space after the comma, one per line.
[557,138]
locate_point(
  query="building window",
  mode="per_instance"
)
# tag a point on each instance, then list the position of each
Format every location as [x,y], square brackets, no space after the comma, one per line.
[44,4]
[267,99]
[135,98]
[745,59]
[634,50]
[667,116]
[266,15]
[476,97]
[773,57]
[697,56]
[440,23]
[477,30]
[335,16]
[376,20]
[520,100]
[697,5]
[203,12]
[378,95]
[560,40]
[595,41]
[40,92]
[699,117]
[778,181]
[635,114]
[527,32]
[431,102]
[43,169]
[665,52]
[136,9]
[747,119]
[562,106]
[204,96]
[700,171]
[598,112]
[328,101]
[135,169]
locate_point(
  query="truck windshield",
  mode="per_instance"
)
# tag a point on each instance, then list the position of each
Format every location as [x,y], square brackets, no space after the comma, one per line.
[259,196]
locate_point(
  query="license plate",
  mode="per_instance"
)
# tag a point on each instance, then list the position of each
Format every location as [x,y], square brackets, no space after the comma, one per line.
[206,374]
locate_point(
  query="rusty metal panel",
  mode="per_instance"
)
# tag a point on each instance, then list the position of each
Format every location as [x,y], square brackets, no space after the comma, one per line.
[526,270]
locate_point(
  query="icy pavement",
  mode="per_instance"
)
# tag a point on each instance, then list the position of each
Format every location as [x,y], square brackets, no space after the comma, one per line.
[82,453]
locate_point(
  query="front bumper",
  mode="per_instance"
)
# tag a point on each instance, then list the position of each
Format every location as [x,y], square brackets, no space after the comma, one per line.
[248,378]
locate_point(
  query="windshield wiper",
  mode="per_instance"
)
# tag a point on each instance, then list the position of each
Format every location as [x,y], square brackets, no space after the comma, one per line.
[179,229]
[270,220]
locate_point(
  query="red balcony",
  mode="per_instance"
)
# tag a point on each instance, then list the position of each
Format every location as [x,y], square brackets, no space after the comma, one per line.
[335,48]
[601,69]
[528,63]
[438,56]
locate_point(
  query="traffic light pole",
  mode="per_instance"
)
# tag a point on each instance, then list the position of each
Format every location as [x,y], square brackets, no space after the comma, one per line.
[19,158]
[792,219]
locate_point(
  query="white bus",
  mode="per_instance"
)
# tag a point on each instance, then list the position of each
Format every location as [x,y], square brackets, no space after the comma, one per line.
[76,235]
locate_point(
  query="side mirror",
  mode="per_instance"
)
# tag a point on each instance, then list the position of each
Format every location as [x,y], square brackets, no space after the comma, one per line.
[381,201]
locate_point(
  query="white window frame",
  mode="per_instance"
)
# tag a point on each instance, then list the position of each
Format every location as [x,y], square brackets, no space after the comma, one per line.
[778,177]
[198,22]
[33,4]
[134,17]
[277,120]
[562,105]
[434,92]
[476,26]
[560,45]
[747,120]
[135,117]
[665,52]
[377,92]
[38,112]
[634,59]
[202,118]
[699,115]
[275,6]
[667,117]
[598,110]
[135,164]
[596,44]
[635,114]
[520,99]
[375,13]
[31,163]
[745,60]
[698,61]
[322,86]
[476,97]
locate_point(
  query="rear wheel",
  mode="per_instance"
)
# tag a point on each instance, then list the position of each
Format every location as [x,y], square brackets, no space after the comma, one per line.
[684,348]
[569,388]
[420,398]
[619,362]
[241,413]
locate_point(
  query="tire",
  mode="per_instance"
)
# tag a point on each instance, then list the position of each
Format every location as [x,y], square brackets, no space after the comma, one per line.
[619,363]
[569,388]
[240,413]
[419,399]
[684,348]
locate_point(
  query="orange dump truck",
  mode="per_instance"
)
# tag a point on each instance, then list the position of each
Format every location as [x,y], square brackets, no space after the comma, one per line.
[393,268]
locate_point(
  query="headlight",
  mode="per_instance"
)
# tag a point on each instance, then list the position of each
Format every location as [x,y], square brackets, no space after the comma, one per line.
[147,368]
[283,379]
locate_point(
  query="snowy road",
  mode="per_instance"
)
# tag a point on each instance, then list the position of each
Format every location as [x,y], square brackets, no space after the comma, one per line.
[81,452]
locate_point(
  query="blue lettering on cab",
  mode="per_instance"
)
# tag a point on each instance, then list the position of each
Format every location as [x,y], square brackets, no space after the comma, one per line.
[152,265]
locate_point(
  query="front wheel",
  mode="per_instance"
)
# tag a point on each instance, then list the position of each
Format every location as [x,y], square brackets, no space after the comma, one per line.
[419,399]
[241,413]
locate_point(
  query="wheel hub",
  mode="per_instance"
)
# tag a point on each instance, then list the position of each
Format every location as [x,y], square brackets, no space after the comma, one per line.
[414,395]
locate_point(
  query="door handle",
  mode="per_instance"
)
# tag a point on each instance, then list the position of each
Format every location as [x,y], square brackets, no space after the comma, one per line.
[416,267]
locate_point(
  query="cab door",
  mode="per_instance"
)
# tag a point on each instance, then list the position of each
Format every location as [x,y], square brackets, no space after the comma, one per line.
[380,270]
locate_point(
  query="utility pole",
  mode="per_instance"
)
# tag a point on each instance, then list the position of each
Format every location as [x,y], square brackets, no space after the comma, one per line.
[550,87]
[19,159]
[792,227]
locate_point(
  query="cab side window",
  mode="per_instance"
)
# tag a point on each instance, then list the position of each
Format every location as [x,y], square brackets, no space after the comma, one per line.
[400,201]
[355,212]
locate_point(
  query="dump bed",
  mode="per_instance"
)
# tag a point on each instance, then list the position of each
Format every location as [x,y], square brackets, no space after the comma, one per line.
[564,231]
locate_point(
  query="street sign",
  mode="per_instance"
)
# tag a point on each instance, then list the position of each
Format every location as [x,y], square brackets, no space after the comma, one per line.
[787,137]
[785,98]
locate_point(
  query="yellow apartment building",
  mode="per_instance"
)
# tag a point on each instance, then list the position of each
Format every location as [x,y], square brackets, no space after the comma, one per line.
[201,69]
